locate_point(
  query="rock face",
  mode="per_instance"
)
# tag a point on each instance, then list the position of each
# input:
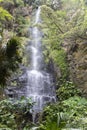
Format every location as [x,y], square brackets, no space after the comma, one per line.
[77,57]
[15,85]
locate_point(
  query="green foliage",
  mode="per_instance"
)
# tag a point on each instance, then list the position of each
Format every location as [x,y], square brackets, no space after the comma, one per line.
[59,58]
[1,0]
[10,57]
[66,25]
[74,107]
[61,27]
[52,37]
[52,119]
[57,54]
[4,14]
[8,5]
[66,90]
[14,52]
[12,113]
[22,29]
[20,2]
[66,114]
[30,2]
[54,18]
[21,20]
[12,47]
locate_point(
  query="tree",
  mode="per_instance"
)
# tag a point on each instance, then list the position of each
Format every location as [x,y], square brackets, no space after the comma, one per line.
[9,58]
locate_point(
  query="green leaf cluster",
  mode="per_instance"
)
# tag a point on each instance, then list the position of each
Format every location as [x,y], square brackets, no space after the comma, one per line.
[67,114]
[12,113]
[4,14]
[66,90]
[10,57]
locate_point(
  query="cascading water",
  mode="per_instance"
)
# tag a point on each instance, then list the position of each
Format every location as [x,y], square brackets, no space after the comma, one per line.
[40,83]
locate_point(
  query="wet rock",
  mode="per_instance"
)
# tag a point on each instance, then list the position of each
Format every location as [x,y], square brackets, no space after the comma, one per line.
[10,92]
[54,69]
[23,79]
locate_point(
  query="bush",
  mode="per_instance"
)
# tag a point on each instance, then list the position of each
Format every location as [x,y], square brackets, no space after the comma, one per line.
[66,115]
[10,57]
[13,114]
[66,90]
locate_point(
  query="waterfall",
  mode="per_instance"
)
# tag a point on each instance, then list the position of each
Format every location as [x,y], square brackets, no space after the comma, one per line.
[40,83]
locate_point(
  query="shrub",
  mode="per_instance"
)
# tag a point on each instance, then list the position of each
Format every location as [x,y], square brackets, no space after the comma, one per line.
[13,114]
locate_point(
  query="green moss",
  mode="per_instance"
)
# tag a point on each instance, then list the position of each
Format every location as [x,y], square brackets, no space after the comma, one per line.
[59,58]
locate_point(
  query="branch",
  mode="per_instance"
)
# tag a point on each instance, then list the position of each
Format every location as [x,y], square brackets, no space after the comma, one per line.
[56,25]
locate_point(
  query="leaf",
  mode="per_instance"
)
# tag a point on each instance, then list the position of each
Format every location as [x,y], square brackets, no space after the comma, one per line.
[5,14]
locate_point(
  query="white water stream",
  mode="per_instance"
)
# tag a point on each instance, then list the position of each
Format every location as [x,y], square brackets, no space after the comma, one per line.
[40,83]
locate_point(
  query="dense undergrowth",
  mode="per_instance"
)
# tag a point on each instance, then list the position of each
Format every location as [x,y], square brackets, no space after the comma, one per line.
[15,114]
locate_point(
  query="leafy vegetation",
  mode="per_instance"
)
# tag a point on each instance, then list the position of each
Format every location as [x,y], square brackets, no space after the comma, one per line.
[66,90]
[4,14]
[52,38]
[66,114]
[15,114]
[11,46]
[10,58]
